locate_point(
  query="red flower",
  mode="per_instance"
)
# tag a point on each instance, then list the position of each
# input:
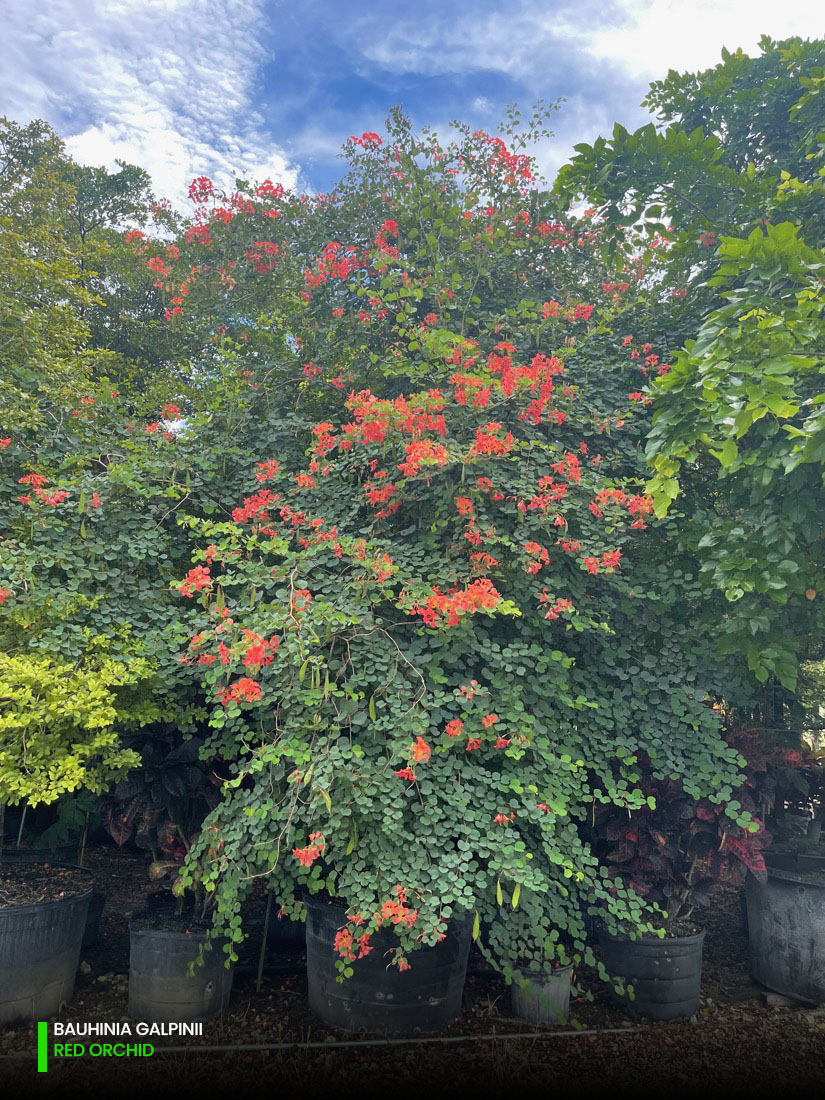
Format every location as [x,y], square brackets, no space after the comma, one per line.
[37,481]
[489,720]
[249,690]
[406,773]
[454,728]
[368,140]
[57,497]
[420,751]
[201,189]
[196,580]
[306,857]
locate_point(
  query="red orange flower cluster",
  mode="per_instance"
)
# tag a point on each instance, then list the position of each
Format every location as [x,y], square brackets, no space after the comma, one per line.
[307,855]
[243,690]
[442,608]
[196,580]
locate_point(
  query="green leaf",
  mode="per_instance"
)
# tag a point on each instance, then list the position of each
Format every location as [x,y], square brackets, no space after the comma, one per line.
[728,454]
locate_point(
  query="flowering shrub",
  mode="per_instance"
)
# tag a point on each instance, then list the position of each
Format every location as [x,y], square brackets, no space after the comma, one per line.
[433,623]
[417,651]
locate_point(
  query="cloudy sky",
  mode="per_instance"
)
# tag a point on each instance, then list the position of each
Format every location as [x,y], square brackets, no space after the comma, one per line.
[271,88]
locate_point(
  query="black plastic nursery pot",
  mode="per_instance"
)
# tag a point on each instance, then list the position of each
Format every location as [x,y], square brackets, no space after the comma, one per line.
[65,854]
[161,989]
[91,933]
[666,974]
[542,998]
[378,998]
[786,927]
[39,954]
[283,935]
[802,863]
[286,935]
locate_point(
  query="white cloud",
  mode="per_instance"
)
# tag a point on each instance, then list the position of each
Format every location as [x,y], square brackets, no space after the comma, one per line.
[166,84]
[498,41]
[535,41]
[658,35]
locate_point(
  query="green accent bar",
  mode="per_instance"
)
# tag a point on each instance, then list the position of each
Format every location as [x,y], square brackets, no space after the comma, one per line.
[42,1047]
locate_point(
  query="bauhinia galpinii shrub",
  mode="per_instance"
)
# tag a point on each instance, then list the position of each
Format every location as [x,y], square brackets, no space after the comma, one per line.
[433,652]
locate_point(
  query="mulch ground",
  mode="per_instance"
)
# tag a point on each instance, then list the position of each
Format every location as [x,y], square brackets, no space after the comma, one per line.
[737,1042]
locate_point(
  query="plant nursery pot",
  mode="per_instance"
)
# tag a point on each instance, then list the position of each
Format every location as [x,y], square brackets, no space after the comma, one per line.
[91,934]
[801,863]
[786,927]
[65,854]
[285,934]
[666,974]
[161,988]
[381,999]
[797,823]
[542,998]
[40,949]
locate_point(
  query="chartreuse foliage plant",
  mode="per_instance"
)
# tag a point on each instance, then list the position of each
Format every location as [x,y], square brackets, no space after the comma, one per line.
[57,727]
[432,652]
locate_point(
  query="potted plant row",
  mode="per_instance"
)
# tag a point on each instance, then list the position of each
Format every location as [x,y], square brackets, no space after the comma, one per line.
[56,736]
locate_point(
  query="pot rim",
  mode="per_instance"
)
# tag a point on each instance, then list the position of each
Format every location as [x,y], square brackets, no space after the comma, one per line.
[545,975]
[663,940]
[799,878]
[191,934]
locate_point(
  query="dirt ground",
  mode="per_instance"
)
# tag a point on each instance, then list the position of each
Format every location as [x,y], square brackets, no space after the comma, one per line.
[738,1042]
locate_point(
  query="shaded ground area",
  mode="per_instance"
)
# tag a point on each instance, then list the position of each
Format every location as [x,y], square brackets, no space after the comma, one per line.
[736,1042]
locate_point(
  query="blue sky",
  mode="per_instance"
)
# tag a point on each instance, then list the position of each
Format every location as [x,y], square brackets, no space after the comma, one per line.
[271,88]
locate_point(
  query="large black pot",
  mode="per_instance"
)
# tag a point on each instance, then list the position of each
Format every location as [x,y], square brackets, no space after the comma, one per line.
[39,953]
[91,934]
[666,974]
[379,998]
[799,862]
[161,989]
[66,854]
[786,926]
[283,935]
